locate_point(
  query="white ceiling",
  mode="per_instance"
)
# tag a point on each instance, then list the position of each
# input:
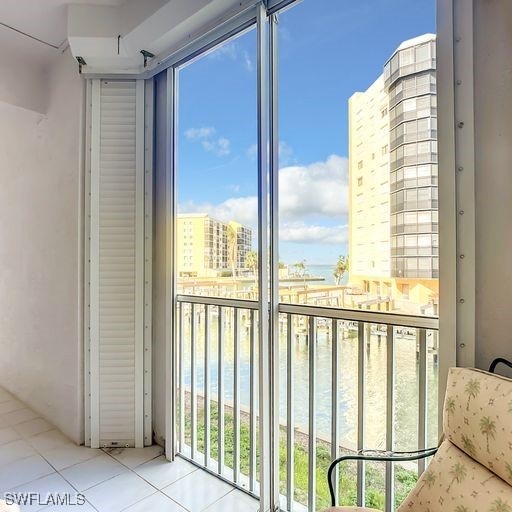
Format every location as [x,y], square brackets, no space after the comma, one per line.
[90,29]
[43,19]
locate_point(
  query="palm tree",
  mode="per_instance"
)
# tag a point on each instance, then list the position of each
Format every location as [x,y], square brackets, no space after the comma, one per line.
[469,446]
[500,506]
[232,248]
[510,406]
[458,472]
[472,389]
[300,267]
[449,407]
[251,261]
[509,469]
[461,508]
[429,479]
[488,429]
[340,269]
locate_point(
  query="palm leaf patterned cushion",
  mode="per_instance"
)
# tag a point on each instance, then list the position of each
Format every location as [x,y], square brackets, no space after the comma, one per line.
[478,418]
[454,482]
[472,471]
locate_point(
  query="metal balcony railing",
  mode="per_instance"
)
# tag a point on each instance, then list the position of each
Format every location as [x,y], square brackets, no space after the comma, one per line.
[348,380]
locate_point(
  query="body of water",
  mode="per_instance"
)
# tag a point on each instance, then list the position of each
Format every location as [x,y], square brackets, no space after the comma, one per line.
[406,383]
[325,271]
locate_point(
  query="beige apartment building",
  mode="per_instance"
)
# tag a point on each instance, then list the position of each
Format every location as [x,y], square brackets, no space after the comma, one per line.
[203,245]
[243,244]
[393,233]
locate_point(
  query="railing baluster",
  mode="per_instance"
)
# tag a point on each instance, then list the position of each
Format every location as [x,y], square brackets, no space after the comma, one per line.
[290,420]
[206,406]
[252,403]
[360,411]
[220,388]
[181,377]
[422,397]
[193,392]
[312,410]
[335,442]
[236,395]
[390,413]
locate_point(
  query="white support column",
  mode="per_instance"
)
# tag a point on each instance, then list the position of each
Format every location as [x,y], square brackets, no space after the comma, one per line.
[87,262]
[170,279]
[139,263]
[94,266]
[456,187]
[265,402]
[149,108]
[465,180]
[274,253]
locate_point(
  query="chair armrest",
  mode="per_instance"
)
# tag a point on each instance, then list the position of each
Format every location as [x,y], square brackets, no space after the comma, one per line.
[375,455]
[498,360]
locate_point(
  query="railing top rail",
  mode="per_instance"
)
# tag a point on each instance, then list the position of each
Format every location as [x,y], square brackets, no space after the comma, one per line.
[355,315]
[351,315]
[218,301]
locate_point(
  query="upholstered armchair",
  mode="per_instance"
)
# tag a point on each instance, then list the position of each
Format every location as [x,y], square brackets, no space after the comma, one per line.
[472,468]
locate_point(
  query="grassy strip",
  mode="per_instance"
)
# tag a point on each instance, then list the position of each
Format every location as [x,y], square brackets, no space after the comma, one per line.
[405,479]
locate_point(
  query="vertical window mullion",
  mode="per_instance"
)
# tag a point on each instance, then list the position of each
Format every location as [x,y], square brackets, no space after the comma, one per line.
[266,477]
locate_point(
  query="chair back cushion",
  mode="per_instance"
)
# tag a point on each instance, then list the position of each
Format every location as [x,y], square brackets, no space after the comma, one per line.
[454,482]
[477,418]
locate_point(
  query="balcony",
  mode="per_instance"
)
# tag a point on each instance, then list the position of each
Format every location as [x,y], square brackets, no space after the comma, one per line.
[118,115]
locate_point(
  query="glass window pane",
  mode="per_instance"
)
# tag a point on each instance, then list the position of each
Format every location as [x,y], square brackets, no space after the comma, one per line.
[217,225]
[422,52]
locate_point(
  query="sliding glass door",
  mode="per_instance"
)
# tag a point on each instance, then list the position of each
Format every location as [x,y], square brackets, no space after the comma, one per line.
[306,250]
[217,260]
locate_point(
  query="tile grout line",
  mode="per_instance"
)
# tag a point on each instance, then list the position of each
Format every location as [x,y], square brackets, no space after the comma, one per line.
[38,452]
[148,482]
[216,501]
[55,470]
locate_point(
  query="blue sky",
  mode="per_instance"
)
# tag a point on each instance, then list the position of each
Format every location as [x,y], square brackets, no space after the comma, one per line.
[328,49]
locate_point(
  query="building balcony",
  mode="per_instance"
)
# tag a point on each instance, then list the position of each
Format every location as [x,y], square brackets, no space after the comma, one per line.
[130,384]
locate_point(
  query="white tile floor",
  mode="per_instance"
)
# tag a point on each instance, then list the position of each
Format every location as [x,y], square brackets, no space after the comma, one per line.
[36,457]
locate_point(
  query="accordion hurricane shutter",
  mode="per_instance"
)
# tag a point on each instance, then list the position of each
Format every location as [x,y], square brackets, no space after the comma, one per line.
[117,242]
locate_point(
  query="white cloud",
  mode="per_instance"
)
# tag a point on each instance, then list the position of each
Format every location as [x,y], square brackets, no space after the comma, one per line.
[241,209]
[233,52]
[223,146]
[317,189]
[206,135]
[207,145]
[307,195]
[252,151]
[286,154]
[300,232]
[205,132]
[248,62]
[226,50]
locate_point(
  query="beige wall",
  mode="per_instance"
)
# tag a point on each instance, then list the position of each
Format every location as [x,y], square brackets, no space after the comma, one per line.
[369,235]
[190,245]
[493,165]
[40,256]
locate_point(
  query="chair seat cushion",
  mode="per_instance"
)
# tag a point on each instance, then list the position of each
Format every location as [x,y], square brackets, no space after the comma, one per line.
[456,482]
[351,509]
